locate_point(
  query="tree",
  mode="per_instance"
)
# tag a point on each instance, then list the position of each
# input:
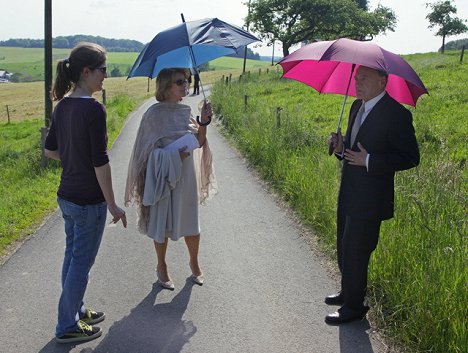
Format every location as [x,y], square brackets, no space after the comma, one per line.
[441,17]
[250,54]
[296,21]
[362,4]
[60,42]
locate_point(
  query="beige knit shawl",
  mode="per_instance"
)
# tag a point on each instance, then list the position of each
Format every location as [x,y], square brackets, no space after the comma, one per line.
[161,124]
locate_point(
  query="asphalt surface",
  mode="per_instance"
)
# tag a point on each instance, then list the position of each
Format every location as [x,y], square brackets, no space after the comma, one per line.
[263,292]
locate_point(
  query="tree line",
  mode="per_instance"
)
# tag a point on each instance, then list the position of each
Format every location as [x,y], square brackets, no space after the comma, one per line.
[250,54]
[68,42]
[111,45]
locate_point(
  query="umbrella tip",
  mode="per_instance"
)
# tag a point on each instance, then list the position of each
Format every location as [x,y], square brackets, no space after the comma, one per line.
[182,16]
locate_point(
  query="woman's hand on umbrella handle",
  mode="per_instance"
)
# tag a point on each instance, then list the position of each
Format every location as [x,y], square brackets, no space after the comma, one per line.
[206,111]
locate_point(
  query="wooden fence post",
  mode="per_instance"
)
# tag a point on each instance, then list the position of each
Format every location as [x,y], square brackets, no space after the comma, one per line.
[461,56]
[278,117]
[246,97]
[8,113]
[104,99]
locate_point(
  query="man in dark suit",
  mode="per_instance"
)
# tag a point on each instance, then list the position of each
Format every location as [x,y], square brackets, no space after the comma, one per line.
[379,141]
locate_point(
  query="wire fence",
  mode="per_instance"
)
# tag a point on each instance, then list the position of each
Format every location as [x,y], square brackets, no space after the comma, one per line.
[27,109]
[23,111]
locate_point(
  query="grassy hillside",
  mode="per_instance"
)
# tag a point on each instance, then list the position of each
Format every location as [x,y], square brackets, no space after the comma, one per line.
[29,62]
[418,276]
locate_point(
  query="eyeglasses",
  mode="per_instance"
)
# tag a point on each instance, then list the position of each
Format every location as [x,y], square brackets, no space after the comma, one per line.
[181,82]
[102,69]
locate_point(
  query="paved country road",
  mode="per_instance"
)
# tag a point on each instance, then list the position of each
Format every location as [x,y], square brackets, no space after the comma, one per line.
[263,292]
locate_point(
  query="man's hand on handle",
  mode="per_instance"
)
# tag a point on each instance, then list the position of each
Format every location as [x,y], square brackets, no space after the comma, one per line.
[335,142]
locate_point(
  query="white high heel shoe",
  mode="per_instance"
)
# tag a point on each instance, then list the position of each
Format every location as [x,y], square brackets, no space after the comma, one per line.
[166,285]
[198,279]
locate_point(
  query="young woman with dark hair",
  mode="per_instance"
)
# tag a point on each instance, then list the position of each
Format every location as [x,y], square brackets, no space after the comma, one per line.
[78,139]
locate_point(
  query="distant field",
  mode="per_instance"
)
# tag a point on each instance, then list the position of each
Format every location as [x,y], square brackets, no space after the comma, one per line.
[25,101]
[29,62]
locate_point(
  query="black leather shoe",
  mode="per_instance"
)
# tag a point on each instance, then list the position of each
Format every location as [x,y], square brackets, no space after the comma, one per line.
[334,299]
[345,315]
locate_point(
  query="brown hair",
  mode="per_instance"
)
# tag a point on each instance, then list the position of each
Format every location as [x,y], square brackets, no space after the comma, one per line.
[69,70]
[165,79]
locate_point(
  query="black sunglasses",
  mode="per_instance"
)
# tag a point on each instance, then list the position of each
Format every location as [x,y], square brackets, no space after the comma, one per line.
[180,82]
[102,69]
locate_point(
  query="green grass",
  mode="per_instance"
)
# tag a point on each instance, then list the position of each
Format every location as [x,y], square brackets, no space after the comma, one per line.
[28,191]
[225,63]
[417,277]
[29,62]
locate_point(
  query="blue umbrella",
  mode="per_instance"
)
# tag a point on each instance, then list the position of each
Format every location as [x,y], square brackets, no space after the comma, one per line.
[189,45]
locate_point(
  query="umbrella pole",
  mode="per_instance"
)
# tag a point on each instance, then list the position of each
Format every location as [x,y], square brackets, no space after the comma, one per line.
[192,56]
[338,128]
[341,114]
[196,71]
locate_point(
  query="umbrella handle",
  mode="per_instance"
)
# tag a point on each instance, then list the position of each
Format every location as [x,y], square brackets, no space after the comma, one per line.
[330,146]
[338,128]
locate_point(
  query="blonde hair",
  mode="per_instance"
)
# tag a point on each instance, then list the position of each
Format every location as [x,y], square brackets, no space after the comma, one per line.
[83,55]
[165,80]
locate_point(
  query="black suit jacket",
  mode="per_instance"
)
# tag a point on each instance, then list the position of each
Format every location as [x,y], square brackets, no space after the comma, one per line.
[388,136]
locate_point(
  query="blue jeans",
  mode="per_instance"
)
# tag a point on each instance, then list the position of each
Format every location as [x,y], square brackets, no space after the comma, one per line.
[84,226]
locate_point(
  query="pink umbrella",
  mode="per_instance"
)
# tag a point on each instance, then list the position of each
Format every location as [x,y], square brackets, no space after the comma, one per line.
[328,67]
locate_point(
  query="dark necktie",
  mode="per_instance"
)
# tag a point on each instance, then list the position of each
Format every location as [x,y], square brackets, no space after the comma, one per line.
[357,124]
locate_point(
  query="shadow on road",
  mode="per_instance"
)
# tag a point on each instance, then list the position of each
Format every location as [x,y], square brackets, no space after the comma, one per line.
[148,328]
[54,347]
[354,338]
[151,328]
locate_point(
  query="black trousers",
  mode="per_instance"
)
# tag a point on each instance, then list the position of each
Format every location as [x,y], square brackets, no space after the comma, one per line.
[356,239]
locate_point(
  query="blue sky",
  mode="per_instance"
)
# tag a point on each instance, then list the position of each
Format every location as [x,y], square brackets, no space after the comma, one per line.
[142,19]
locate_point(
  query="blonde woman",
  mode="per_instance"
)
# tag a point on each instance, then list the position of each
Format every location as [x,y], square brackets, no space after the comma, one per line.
[168,184]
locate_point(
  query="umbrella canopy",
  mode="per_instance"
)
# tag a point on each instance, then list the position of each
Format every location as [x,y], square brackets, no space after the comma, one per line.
[189,45]
[328,67]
